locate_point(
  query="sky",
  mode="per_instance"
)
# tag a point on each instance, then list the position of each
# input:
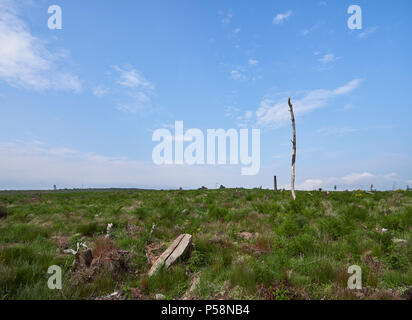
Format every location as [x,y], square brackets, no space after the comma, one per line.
[79,105]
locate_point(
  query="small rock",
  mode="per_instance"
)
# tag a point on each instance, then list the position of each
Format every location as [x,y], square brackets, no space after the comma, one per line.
[185,211]
[160,296]
[113,296]
[108,229]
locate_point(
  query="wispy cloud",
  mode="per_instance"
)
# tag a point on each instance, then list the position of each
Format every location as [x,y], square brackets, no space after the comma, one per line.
[352,181]
[226,16]
[24,59]
[357,177]
[305,32]
[234,37]
[253,62]
[137,102]
[368,32]
[137,88]
[132,78]
[335,131]
[100,91]
[246,72]
[238,74]
[281,17]
[310,184]
[28,165]
[328,58]
[347,107]
[276,114]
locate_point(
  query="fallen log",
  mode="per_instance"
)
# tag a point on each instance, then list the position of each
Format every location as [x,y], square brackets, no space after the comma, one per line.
[179,249]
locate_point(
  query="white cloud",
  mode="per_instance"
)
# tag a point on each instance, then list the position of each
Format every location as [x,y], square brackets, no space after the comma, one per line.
[231,111]
[280,17]
[25,61]
[336,131]
[132,78]
[253,62]
[305,32]
[139,90]
[391,176]
[100,91]
[238,74]
[248,114]
[357,178]
[137,102]
[28,165]
[368,32]
[271,113]
[310,184]
[349,87]
[246,72]
[327,58]
[354,181]
[226,17]
[348,107]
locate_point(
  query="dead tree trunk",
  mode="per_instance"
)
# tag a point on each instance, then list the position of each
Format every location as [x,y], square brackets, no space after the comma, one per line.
[292,184]
[275,184]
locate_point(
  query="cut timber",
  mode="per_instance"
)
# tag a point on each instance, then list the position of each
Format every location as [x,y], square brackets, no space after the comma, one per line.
[178,249]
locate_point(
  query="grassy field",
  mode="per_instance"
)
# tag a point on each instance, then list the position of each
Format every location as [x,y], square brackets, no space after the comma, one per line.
[248,244]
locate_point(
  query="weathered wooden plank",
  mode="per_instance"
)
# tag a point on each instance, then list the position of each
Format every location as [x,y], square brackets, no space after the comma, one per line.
[177,249]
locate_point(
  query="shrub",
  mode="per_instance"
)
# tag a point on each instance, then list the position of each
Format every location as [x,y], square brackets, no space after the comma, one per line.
[303,243]
[3,212]
[171,282]
[243,275]
[88,229]
[196,261]
[292,225]
[218,213]
[355,212]
[335,227]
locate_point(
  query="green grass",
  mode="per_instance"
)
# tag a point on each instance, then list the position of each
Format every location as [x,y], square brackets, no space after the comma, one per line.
[301,249]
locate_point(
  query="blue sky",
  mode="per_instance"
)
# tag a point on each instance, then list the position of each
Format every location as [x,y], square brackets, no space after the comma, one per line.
[79,105]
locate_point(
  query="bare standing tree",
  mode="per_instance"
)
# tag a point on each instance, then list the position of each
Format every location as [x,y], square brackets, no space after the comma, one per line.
[292,184]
